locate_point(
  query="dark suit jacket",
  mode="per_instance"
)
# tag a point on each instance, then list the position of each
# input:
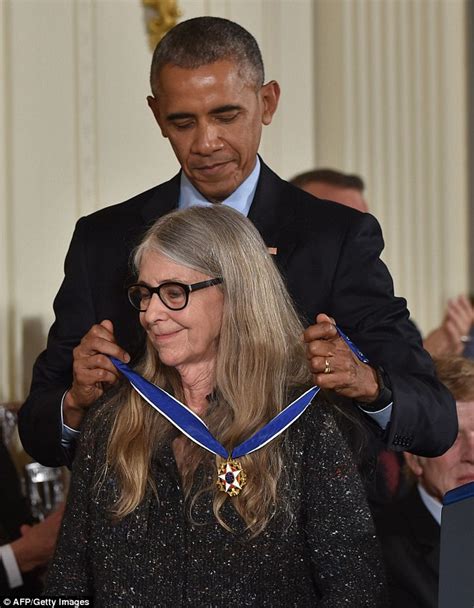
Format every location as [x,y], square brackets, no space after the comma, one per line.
[410,540]
[14,512]
[329,255]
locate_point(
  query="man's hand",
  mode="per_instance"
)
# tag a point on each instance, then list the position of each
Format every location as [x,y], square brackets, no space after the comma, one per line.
[333,364]
[92,371]
[36,545]
[447,339]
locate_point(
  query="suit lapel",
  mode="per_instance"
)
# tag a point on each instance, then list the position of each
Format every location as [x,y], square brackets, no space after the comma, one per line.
[270,210]
[163,199]
[271,214]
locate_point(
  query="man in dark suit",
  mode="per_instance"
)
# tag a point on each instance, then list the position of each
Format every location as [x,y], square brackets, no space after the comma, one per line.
[210,101]
[410,528]
[410,539]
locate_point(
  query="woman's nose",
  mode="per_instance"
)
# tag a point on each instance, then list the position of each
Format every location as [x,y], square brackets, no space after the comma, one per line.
[156,310]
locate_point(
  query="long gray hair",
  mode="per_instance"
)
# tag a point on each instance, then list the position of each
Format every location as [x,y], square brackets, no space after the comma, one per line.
[260,361]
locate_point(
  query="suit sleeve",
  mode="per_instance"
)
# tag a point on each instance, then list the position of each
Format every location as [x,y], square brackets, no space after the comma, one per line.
[423,419]
[40,416]
[339,530]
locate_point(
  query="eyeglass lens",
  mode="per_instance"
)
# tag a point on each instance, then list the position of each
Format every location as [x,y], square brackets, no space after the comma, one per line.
[173,295]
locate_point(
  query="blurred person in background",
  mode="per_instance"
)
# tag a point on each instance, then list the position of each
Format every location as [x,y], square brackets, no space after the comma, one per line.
[26,547]
[409,528]
[331,185]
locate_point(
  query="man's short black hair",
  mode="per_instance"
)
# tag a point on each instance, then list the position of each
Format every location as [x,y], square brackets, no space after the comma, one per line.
[205,40]
[329,176]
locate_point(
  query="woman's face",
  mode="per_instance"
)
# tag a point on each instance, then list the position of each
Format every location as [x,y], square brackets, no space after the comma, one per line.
[181,337]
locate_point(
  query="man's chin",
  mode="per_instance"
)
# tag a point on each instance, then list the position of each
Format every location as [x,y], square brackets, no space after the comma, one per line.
[215,194]
[216,190]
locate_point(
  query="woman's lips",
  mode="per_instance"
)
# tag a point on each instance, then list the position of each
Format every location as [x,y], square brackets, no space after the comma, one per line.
[163,337]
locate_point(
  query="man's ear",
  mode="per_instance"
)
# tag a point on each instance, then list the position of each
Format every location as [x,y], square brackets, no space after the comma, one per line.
[154,107]
[269,95]
[415,463]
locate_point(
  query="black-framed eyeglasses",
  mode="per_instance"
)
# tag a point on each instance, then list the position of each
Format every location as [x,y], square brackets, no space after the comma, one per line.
[174,295]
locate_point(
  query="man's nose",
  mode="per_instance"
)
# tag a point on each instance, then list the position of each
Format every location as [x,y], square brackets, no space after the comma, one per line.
[207,139]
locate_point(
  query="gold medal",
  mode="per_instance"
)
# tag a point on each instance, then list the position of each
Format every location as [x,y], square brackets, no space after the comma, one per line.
[231,478]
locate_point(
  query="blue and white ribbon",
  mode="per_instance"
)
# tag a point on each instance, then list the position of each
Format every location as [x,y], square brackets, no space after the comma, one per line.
[193,427]
[352,346]
[184,419]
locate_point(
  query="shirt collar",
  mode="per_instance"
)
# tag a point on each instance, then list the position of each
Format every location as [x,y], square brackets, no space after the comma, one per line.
[240,199]
[433,505]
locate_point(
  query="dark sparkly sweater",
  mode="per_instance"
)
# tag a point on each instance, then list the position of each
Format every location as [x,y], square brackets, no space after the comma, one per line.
[325,556]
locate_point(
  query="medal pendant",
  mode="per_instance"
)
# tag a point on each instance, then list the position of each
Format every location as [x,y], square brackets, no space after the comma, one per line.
[231,478]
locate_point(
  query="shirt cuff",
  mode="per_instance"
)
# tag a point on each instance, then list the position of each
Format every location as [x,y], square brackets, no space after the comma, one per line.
[381,417]
[68,435]
[11,567]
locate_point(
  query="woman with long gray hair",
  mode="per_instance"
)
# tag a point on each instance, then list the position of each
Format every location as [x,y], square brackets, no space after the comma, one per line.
[215,475]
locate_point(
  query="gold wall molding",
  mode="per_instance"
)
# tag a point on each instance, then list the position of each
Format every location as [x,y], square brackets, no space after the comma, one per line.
[161,16]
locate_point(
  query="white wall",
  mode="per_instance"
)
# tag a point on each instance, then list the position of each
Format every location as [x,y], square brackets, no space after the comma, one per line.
[391,105]
[77,134]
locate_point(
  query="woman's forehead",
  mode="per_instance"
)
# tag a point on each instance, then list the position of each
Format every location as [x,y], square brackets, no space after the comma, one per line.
[157,267]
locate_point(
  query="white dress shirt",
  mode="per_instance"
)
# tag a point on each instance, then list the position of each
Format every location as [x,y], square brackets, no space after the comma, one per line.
[10,564]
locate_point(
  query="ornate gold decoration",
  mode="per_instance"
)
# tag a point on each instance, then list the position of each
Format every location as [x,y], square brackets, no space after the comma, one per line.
[231,478]
[161,16]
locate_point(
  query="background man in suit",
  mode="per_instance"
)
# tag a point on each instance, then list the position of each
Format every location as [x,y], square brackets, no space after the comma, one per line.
[25,549]
[210,101]
[331,185]
[410,528]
